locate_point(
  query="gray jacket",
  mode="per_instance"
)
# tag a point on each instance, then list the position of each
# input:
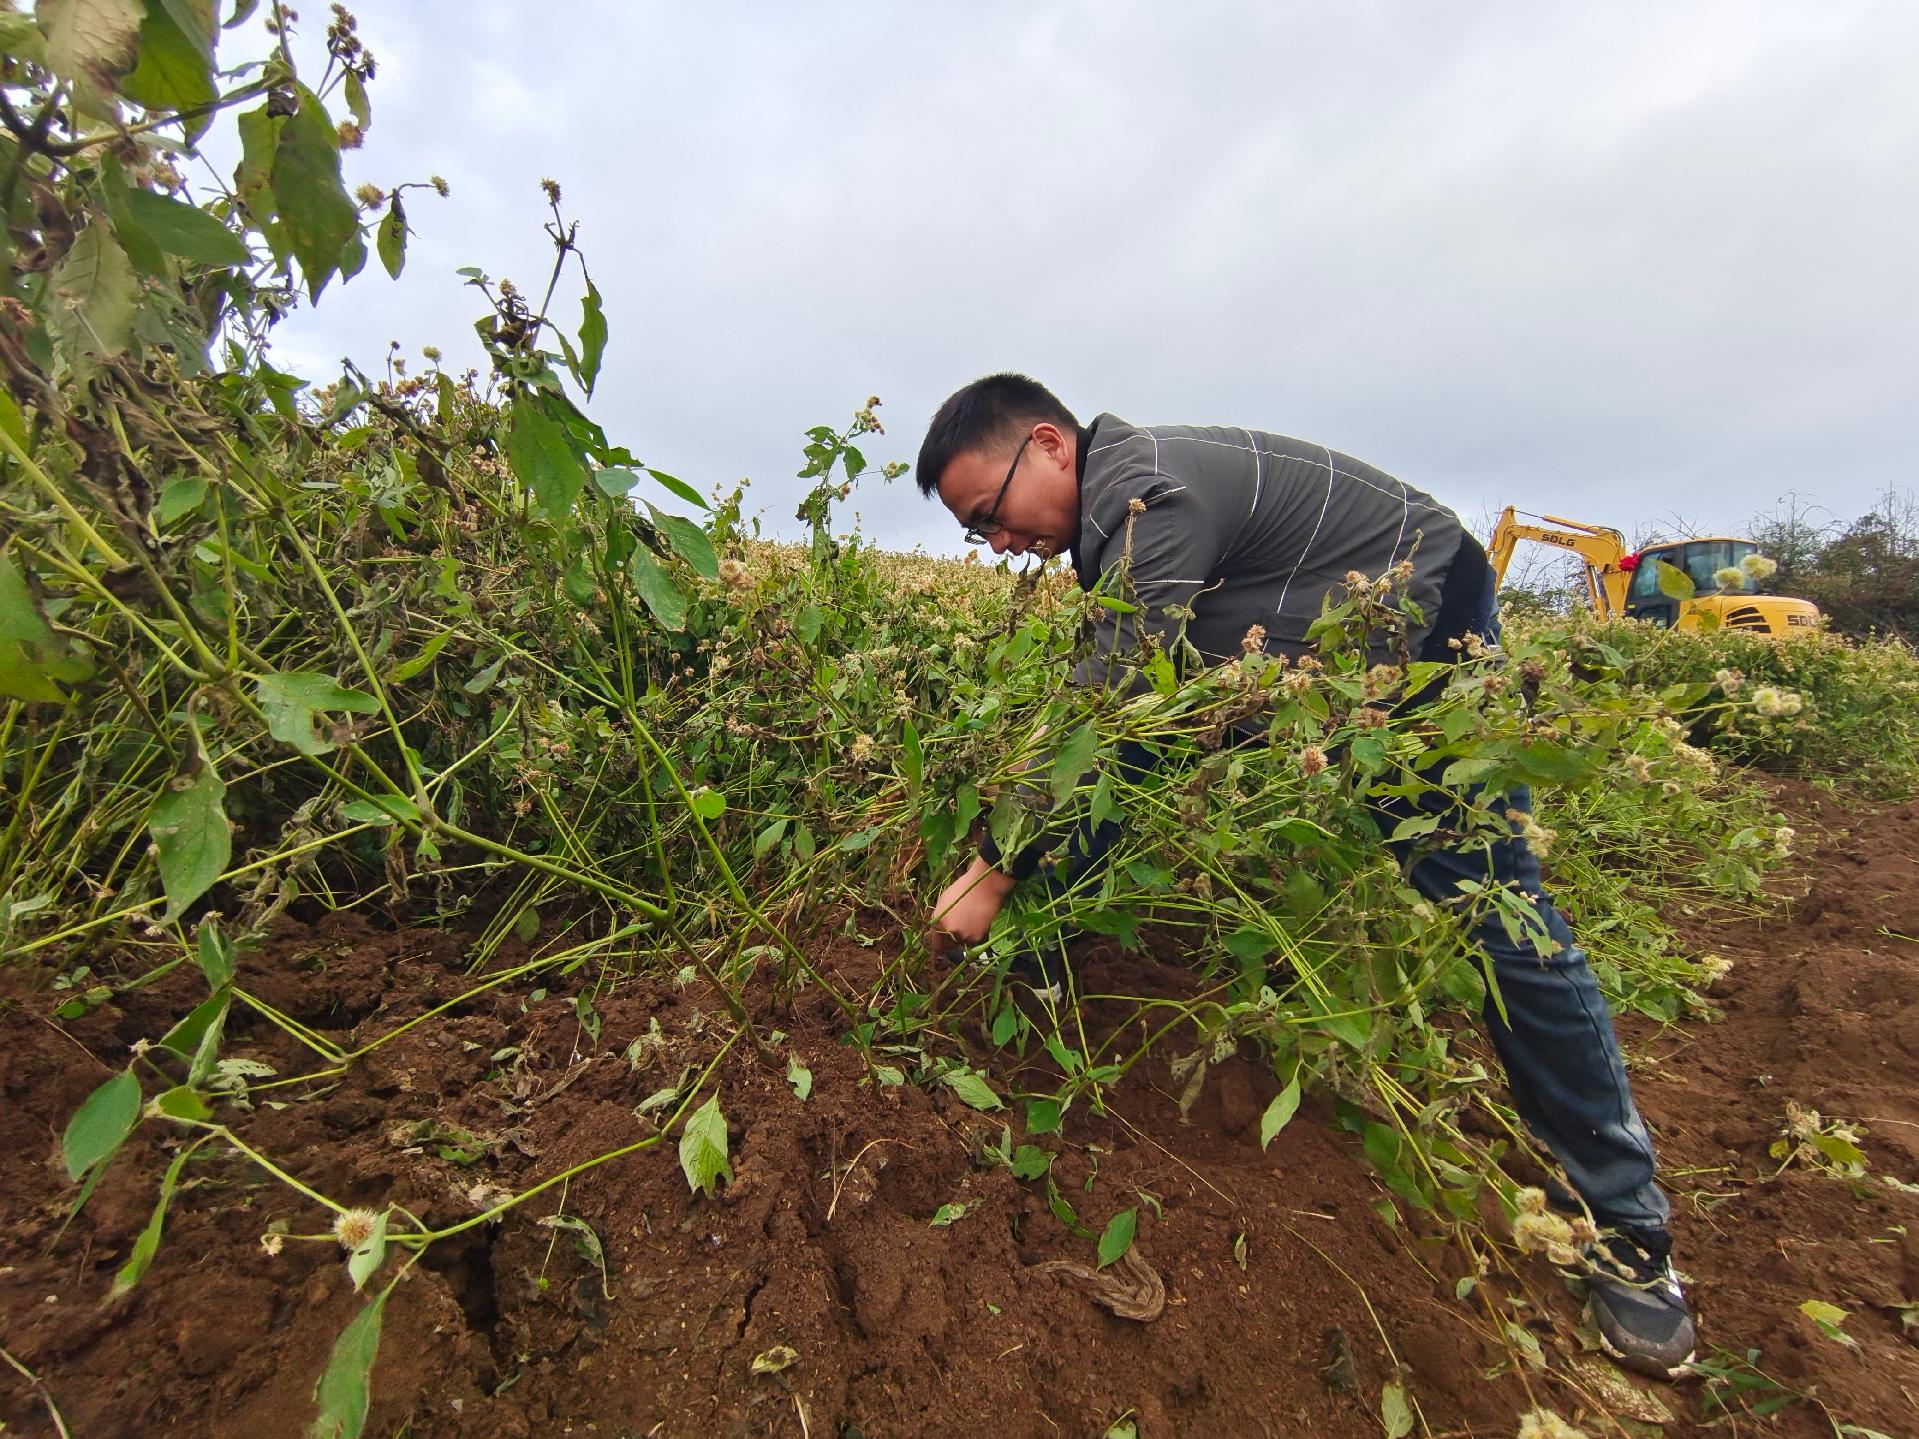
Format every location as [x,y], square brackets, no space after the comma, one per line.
[1243,528]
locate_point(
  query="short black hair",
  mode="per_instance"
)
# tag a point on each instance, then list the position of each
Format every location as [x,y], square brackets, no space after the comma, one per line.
[993,410]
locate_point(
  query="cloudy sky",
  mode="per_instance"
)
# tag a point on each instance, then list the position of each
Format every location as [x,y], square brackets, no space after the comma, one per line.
[1649,264]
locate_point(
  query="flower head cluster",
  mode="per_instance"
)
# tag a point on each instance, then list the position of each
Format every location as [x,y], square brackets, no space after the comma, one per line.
[353,1227]
[1537,1230]
[1254,640]
[1312,759]
[1537,836]
[1758,566]
[1729,681]
[1775,703]
[1544,1424]
[862,748]
[1730,578]
[1716,967]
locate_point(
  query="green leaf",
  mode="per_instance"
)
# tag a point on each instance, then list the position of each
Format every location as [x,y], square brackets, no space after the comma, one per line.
[96,296]
[140,1257]
[913,755]
[180,1102]
[428,653]
[1284,1106]
[368,1255]
[90,41]
[34,662]
[768,837]
[703,1147]
[357,102]
[1030,1162]
[1074,759]
[592,337]
[708,803]
[800,1077]
[662,596]
[215,956]
[185,1036]
[1675,583]
[537,449]
[382,809]
[690,543]
[101,1124]
[344,1392]
[189,824]
[950,1213]
[294,700]
[614,482]
[1117,1237]
[319,219]
[175,71]
[21,38]
[680,488]
[971,1086]
[1394,1412]
[390,240]
[181,495]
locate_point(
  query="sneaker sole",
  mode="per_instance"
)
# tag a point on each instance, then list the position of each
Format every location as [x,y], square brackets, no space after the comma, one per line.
[1639,1363]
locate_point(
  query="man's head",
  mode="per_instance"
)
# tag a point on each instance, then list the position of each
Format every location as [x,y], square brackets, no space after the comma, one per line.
[1002,455]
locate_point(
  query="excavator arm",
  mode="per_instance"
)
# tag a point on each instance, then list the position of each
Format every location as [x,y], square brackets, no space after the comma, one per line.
[1600,547]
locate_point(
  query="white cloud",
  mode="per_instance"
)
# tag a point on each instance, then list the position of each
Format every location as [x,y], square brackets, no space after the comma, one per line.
[1617,261]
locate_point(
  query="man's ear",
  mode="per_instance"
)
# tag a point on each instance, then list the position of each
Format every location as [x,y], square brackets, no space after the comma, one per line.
[1052,439]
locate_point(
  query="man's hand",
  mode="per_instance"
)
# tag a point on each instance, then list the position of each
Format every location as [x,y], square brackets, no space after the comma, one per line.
[967,907]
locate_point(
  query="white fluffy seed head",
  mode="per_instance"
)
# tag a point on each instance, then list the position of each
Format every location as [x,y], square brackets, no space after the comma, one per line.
[353,1227]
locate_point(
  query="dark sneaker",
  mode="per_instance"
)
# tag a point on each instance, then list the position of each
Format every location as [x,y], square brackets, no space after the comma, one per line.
[1638,1306]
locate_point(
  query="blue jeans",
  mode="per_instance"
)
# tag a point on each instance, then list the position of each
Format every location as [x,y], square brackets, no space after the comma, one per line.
[1557,1044]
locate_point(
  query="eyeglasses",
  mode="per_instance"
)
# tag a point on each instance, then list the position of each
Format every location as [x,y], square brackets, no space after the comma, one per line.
[990,524]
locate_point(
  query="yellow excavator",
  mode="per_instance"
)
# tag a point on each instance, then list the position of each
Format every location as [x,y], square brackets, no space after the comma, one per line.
[1698,584]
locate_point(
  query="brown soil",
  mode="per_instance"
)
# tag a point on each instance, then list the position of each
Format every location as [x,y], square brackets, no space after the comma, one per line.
[822,1247]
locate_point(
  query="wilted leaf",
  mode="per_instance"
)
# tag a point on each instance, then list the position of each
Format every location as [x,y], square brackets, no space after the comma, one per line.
[318,217]
[140,1257]
[175,69]
[294,700]
[390,239]
[1675,583]
[189,825]
[91,41]
[971,1086]
[34,662]
[345,1389]
[780,1356]
[93,298]
[800,1077]
[703,1147]
[1394,1412]
[1285,1104]
[592,337]
[101,1124]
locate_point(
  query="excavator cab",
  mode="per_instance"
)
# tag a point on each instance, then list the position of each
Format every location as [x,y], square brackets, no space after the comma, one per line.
[1704,562]
[1641,587]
